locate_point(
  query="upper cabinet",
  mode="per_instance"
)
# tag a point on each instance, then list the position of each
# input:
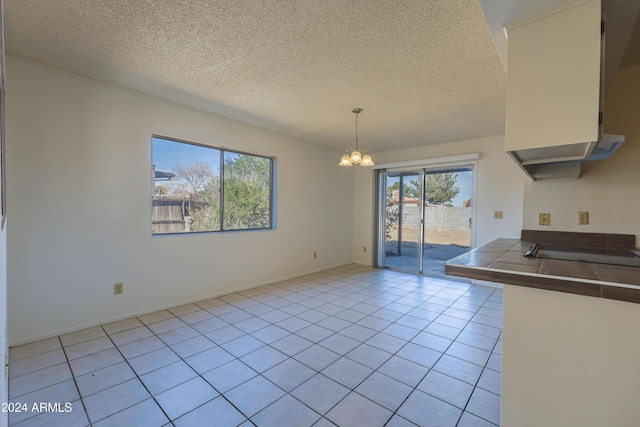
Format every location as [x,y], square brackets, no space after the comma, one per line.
[554,89]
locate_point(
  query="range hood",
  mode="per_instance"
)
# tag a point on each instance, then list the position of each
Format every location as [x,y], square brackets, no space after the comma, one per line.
[555,91]
[564,161]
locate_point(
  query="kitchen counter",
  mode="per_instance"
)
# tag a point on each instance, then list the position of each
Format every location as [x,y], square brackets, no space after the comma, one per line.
[502,261]
[570,341]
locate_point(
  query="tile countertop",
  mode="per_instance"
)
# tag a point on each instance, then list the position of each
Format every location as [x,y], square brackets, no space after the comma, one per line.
[502,261]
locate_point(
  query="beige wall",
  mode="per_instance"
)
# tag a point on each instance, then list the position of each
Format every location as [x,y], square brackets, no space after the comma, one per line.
[499,188]
[609,190]
[79,162]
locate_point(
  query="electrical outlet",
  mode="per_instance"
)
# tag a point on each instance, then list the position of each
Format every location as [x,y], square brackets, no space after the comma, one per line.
[364,249]
[315,255]
[583,218]
[118,288]
[498,215]
[544,218]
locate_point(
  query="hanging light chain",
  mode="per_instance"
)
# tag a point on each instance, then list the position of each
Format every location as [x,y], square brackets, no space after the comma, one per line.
[357,111]
[356,158]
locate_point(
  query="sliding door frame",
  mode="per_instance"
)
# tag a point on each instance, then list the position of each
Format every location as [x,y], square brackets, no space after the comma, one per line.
[422,167]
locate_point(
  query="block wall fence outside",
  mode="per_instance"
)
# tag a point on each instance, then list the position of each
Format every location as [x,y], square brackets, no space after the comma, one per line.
[440,218]
[498,186]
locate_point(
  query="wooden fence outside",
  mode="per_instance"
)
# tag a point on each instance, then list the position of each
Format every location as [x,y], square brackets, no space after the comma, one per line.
[170,215]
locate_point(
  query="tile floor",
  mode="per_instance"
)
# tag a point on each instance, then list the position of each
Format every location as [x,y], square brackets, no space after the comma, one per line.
[352,346]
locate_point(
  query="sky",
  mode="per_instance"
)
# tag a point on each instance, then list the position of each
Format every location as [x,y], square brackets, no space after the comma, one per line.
[165,154]
[464,181]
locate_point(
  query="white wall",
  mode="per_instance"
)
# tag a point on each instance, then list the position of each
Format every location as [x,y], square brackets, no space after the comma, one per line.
[499,188]
[609,190]
[4,384]
[569,360]
[79,162]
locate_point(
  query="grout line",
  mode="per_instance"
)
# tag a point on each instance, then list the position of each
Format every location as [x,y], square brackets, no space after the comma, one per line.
[478,381]
[135,373]
[73,376]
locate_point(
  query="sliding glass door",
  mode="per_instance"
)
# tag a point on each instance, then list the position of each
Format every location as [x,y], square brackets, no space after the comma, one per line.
[425,217]
[403,220]
[448,216]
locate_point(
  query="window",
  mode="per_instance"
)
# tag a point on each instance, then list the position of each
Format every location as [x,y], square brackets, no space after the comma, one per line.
[202,189]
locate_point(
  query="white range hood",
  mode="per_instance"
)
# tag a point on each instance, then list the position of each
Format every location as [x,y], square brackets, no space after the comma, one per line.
[564,161]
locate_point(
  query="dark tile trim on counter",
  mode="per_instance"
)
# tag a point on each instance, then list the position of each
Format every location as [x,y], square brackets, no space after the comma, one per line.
[581,240]
[621,294]
[520,279]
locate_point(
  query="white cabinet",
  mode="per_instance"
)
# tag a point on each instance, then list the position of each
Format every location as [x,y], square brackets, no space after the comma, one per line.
[553,85]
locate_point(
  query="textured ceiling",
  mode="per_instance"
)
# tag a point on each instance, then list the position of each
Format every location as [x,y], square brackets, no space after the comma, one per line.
[424,71]
[499,13]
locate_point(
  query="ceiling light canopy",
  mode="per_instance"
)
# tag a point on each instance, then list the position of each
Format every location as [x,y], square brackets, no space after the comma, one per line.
[356,158]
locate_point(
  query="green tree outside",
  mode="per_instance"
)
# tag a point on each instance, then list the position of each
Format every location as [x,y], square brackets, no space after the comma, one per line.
[439,188]
[246,192]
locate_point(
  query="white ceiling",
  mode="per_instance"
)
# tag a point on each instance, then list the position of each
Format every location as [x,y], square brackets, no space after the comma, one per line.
[424,71]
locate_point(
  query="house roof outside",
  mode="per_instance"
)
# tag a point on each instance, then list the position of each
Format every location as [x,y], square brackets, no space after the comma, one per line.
[163,176]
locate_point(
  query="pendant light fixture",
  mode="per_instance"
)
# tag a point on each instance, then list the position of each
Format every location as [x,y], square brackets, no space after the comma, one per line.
[356,158]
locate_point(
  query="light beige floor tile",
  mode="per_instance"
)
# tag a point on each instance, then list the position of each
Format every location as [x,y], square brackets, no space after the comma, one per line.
[104,378]
[178,335]
[31,349]
[37,380]
[76,417]
[88,347]
[122,325]
[184,309]
[95,361]
[167,377]
[219,409]
[196,316]
[186,397]
[151,361]
[144,414]
[63,392]
[145,345]
[81,336]
[34,363]
[192,346]
[166,325]
[155,317]
[124,337]
[115,399]
[208,303]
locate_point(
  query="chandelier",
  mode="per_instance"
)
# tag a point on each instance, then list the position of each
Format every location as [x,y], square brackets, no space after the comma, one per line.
[356,158]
